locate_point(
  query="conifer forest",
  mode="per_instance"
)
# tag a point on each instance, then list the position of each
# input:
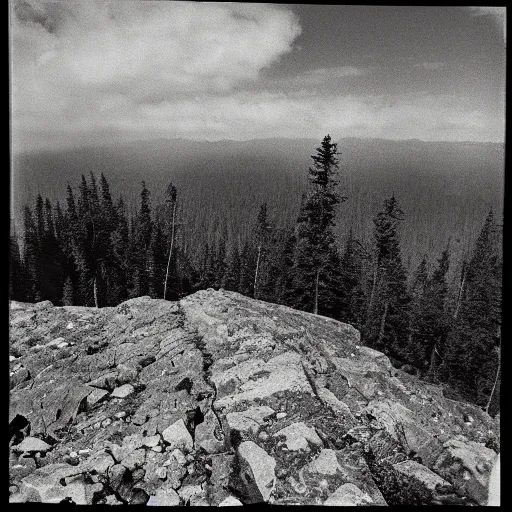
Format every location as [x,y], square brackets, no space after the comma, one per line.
[438,321]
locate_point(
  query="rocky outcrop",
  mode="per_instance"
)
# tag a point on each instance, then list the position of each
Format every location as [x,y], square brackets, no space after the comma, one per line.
[219,399]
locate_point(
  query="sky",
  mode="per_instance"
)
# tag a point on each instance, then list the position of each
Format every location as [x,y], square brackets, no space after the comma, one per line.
[105,72]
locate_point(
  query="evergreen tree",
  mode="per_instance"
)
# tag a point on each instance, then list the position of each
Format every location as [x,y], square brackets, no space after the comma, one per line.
[232,276]
[262,235]
[471,356]
[17,278]
[388,309]
[351,286]
[31,257]
[316,284]
[67,293]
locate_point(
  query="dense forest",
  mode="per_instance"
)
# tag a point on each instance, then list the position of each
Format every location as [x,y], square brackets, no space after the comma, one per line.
[439,322]
[445,188]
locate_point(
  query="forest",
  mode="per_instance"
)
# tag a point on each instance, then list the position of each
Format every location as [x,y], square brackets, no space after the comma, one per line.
[440,321]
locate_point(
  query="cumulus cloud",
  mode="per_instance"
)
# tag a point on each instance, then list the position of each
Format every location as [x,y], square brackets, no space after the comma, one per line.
[143,50]
[431,66]
[87,72]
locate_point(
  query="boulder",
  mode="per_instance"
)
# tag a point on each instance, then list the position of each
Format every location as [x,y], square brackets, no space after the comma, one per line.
[164,498]
[413,469]
[178,436]
[298,436]
[257,471]
[123,391]
[32,445]
[230,501]
[325,464]
[467,464]
[348,495]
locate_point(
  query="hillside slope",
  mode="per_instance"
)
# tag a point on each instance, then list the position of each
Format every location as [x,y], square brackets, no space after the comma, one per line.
[220,398]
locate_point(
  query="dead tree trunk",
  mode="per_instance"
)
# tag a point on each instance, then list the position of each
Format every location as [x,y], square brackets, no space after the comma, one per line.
[256,273]
[459,297]
[315,309]
[382,324]
[170,252]
[95,291]
[495,383]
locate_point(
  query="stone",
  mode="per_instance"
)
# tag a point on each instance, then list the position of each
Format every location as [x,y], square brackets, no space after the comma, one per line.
[123,391]
[230,501]
[46,482]
[298,436]
[70,325]
[413,469]
[157,449]
[96,396]
[257,471]
[348,495]
[188,491]
[281,415]
[120,415]
[179,456]
[32,445]
[151,441]
[161,473]
[325,464]
[204,435]
[250,420]
[178,436]
[458,464]
[164,498]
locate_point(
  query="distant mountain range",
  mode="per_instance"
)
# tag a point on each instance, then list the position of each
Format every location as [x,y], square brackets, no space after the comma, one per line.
[445,188]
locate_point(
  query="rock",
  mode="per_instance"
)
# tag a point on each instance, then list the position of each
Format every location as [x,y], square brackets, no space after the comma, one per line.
[47,483]
[123,391]
[120,415]
[96,396]
[325,464]
[458,464]
[178,436]
[179,457]
[70,325]
[250,420]
[204,435]
[230,501]
[164,498]
[151,441]
[162,473]
[157,449]
[188,491]
[32,445]
[280,415]
[413,469]
[298,435]
[348,495]
[257,471]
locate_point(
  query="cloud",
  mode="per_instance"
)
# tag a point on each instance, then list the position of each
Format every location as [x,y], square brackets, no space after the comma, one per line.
[498,14]
[244,115]
[325,75]
[431,66]
[75,50]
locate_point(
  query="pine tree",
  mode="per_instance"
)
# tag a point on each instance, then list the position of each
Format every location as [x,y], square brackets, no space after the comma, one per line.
[67,293]
[471,356]
[351,286]
[170,211]
[388,309]
[261,237]
[316,271]
[31,257]
[17,280]
[232,276]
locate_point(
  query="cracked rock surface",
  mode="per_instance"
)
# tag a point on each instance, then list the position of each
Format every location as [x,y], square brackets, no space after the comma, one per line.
[219,399]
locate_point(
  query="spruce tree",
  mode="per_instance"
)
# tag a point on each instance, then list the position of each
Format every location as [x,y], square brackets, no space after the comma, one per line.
[316,270]
[471,356]
[387,320]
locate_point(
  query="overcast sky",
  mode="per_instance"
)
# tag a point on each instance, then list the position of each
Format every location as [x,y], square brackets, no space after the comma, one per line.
[86,72]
